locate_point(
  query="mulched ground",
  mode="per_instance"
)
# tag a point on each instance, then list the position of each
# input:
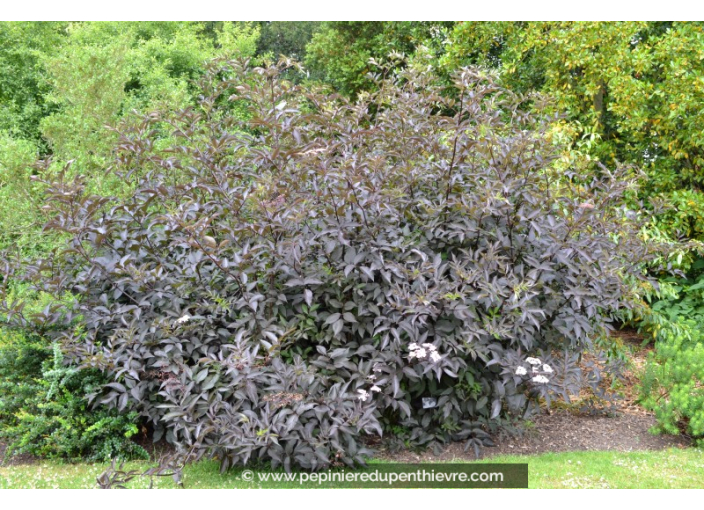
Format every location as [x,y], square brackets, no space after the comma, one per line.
[562,431]
[624,426]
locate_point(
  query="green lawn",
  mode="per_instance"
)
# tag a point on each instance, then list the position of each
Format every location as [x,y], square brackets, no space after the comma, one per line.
[667,469]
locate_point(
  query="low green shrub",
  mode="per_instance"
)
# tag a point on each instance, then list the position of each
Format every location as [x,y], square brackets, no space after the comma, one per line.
[673,382]
[44,411]
[671,318]
[21,359]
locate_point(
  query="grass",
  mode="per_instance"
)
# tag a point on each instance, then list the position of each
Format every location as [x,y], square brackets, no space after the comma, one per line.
[675,468]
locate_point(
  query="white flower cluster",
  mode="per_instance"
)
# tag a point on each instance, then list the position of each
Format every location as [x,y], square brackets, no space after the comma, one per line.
[423,351]
[183,319]
[365,395]
[537,367]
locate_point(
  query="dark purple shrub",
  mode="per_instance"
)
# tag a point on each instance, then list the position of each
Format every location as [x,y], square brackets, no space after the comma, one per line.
[294,271]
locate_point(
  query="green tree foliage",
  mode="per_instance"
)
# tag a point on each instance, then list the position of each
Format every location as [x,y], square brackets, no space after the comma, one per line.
[288,38]
[20,198]
[631,92]
[23,85]
[66,84]
[106,70]
[339,52]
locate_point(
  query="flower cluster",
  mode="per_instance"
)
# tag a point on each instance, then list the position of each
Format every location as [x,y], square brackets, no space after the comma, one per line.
[365,395]
[423,351]
[539,371]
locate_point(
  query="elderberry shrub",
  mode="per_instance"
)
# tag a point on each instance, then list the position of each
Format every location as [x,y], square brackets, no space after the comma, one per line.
[295,272]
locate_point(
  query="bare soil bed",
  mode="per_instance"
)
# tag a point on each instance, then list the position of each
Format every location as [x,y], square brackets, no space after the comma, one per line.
[562,431]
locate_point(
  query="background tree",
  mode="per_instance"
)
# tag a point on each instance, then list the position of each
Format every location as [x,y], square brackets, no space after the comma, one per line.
[339,52]
[22,76]
[66,84]
[287,38]
[631,92]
